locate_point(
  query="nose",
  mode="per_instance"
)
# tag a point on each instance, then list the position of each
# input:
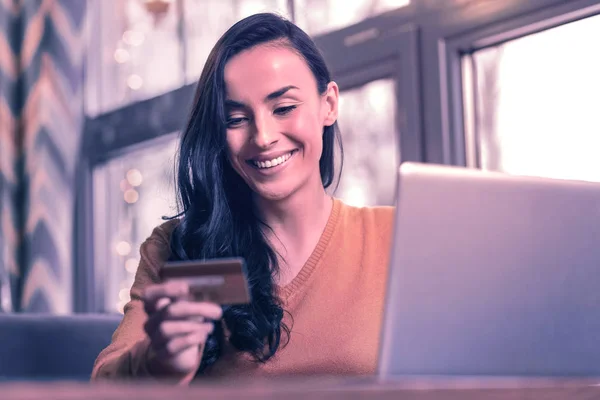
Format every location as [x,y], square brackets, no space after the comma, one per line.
[265,132]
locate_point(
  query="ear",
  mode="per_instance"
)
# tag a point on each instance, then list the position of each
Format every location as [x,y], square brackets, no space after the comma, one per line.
[330,104]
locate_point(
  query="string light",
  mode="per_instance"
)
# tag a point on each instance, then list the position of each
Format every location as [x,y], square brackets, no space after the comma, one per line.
[124,294]
[134,177]
[131,196]
[133,38]
[122,56]
[131,265]
[123,248]
[135,82]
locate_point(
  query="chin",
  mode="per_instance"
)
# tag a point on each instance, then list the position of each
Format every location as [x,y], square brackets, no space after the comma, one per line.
[273,194]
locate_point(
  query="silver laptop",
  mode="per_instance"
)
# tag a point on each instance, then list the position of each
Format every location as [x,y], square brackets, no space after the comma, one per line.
[492,275]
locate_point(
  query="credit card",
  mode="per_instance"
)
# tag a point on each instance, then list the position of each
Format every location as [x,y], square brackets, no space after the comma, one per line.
[222,281]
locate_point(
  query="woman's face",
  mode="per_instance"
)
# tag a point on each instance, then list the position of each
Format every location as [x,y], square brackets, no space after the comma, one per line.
[275,120]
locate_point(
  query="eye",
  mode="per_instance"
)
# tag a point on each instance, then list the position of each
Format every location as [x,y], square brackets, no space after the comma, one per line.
[284,110]
[235,122]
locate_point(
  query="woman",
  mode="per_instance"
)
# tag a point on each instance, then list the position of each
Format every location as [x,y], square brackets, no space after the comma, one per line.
[254,163]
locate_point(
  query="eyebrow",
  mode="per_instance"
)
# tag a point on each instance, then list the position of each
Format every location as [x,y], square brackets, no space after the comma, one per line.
[232,104]
[280,92]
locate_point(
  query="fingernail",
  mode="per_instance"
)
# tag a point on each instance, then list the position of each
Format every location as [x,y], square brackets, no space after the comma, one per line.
[162,302]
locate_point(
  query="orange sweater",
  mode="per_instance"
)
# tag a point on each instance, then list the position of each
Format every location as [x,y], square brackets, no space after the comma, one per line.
[336,302]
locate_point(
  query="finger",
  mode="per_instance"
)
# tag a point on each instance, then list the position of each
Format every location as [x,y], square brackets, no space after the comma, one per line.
[170,329]
[159,304]
[187,309]
[154,319]
[172,290]
[181,343]
[181,310]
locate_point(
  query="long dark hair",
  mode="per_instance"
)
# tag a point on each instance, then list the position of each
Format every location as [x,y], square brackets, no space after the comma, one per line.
[217,215]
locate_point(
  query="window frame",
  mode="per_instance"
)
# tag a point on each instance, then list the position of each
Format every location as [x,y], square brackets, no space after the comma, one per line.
[458,132]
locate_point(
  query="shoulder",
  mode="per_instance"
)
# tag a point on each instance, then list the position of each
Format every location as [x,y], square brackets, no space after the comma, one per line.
[156,248]
[154,252]
[372,220]
[370,227]
[366,235]
[162,233]
[378,215]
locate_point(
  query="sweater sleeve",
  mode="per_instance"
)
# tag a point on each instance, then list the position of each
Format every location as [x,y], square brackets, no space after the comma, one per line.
[125,357]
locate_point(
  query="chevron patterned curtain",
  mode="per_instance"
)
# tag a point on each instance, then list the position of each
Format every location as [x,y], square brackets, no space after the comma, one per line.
[9,108]
[41,116]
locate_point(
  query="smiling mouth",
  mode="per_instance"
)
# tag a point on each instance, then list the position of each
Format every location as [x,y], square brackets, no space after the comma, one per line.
[272,163]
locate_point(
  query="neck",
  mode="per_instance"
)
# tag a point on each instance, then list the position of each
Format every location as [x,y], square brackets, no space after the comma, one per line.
[296,223]
[298,215]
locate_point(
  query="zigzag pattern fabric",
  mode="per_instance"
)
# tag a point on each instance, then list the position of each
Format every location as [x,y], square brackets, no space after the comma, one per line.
[9,151]
[42,95]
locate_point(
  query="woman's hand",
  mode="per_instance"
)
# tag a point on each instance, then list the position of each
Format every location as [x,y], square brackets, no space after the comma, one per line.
[177,328]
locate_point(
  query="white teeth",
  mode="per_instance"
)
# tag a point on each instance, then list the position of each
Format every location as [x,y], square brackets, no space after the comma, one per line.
[274,162]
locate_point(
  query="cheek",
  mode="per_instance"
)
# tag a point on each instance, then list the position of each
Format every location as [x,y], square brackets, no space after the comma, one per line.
[306,126]
[235,143]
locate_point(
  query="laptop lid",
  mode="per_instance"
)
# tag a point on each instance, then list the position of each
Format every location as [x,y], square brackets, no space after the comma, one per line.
[492,274]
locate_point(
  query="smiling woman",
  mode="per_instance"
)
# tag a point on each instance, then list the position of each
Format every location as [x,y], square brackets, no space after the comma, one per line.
[254,164]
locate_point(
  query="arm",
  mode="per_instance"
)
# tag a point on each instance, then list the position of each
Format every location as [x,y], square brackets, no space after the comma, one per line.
[127,354]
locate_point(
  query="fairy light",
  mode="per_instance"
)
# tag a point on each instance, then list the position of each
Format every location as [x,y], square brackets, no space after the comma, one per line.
[131,265]
[124,294]
[123,248]
[135,82]
[133,38]
[122,56]
[131,196]
[134,177]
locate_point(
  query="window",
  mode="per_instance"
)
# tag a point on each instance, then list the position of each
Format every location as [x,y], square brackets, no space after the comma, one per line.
[131,195]
[536,101]
[368,127]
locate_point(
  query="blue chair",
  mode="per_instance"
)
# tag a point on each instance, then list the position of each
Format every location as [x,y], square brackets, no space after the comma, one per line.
[51,347]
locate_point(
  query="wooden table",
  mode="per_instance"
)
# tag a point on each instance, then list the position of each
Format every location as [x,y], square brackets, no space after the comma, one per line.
[313,389]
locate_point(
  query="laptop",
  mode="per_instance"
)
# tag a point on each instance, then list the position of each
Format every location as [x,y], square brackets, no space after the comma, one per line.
[492,275]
